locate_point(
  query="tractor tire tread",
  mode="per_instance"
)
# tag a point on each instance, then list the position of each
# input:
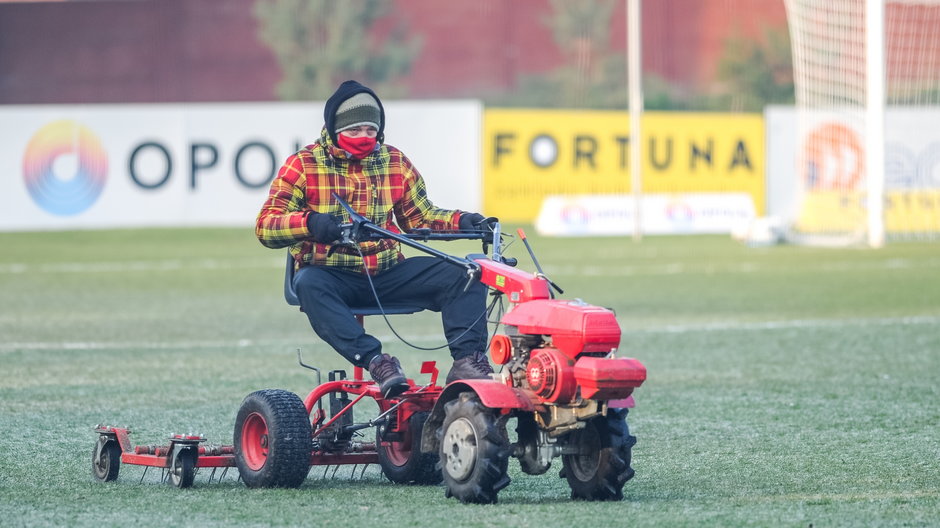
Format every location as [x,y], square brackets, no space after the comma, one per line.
[289,435]
[492,461]
[420,468]
[613,462]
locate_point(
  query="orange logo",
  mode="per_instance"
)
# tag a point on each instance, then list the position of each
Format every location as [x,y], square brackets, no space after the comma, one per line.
[833,158]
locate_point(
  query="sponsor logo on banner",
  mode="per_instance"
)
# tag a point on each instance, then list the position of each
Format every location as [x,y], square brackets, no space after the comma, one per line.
[833,158]
[833,163]
[531,154]
[65,168]
[827,191]
[103,166]
[661,214]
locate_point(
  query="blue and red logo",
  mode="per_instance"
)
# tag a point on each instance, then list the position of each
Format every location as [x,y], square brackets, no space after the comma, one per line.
[65,167]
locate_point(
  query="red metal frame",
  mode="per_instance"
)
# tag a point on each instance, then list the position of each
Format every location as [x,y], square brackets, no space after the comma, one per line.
[159,456]
[416,399]
[519,286]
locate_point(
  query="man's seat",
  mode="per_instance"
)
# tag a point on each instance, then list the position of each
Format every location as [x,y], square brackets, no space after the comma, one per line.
[290,295]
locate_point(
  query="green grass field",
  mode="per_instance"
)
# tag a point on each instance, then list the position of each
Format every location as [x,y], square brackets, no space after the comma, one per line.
[787,386]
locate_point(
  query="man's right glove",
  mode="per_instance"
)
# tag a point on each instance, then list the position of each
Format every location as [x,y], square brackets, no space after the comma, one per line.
[324,227]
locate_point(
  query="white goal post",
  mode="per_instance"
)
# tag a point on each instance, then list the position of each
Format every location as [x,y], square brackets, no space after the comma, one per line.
[867,78]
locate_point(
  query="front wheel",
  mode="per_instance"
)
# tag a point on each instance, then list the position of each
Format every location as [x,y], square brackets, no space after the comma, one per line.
[183,468]
[474,451]
[105,459]
[273,440]
[402,461]
[602,465]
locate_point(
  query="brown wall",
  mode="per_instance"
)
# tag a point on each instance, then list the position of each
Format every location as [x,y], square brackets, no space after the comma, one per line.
[208,50]
[166,50]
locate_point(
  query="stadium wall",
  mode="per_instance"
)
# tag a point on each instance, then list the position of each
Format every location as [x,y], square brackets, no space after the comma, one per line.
[209,51]
[113,166]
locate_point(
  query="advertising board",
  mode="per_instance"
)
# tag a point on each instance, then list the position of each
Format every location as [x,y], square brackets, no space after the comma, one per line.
[529,155]
[97,166]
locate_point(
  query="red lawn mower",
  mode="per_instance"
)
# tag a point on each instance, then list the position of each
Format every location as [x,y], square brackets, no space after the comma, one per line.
[559,380]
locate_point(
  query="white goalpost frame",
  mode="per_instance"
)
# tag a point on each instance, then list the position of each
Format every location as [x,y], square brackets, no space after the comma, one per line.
[635,87]
[867,80]
[875,92]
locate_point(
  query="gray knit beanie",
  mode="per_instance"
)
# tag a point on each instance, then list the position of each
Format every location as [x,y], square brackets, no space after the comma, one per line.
[359,110]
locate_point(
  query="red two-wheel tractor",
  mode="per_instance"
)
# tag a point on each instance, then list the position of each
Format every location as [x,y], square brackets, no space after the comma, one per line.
[560,382]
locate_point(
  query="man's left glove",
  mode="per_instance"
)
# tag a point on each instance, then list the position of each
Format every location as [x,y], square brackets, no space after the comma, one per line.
[476,222]
[324,227]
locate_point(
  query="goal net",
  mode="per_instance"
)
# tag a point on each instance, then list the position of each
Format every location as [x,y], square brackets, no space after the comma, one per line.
[867,77]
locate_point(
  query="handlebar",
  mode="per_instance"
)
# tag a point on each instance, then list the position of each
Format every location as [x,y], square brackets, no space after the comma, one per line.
[361,229]
[421,234]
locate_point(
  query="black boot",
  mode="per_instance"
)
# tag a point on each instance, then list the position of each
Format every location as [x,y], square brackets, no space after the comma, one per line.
[470,367]
[387,372]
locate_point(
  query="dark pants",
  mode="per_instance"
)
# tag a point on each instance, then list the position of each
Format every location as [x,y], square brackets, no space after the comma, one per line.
[424,282]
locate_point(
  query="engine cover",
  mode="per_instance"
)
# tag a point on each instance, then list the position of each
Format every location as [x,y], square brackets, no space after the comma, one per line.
[608,378]
[575,327]
[550,374]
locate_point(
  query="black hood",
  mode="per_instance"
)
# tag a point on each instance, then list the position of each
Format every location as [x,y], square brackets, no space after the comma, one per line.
[345,91]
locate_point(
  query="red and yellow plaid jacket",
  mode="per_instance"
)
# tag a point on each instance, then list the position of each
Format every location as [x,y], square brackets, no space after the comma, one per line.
[385,188]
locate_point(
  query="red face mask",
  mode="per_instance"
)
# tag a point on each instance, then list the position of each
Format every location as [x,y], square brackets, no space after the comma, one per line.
[359,147]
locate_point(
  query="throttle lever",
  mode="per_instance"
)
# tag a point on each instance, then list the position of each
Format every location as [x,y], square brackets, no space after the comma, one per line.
[538,268]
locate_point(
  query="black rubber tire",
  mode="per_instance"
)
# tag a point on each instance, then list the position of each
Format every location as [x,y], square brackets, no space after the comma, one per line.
[273,440]
[474,451]
[183,468]
[105,459]
[403,462]
[600,474]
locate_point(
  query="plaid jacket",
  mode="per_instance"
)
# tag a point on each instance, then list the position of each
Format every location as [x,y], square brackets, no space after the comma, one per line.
[385,188]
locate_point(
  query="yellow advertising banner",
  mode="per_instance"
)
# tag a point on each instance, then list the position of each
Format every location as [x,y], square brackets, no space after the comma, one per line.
[907,212]
[531,154]
[911,212]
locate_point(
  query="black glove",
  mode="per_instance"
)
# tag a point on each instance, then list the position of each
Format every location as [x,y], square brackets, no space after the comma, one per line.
[324,227]
[476,222]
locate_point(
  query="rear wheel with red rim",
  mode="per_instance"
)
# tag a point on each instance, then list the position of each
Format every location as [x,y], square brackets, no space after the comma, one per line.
[272,440]
[400,454]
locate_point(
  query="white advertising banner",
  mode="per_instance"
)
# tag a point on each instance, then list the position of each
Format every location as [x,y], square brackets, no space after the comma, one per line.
[796,165]
[102,166]
[912,145]
[661,214]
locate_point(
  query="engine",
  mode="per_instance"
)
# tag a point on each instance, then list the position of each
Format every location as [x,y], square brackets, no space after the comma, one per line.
[563,352]
[550,374]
